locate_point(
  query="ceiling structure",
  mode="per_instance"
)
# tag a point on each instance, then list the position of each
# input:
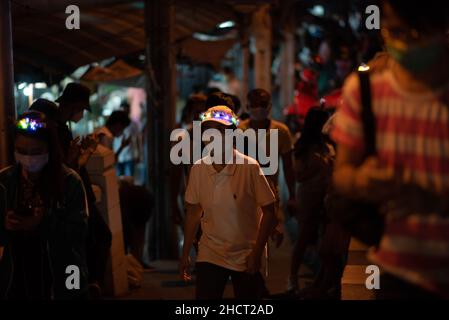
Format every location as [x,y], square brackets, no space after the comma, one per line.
[109,28]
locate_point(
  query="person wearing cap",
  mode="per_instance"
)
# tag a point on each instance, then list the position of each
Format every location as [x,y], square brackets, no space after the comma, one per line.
[72,103]
[228,194]
[43,217]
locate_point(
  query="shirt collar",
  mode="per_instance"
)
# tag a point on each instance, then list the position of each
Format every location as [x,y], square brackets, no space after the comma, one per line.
[228,170]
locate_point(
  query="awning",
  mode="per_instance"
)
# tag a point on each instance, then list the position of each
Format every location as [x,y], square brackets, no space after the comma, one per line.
[43,45]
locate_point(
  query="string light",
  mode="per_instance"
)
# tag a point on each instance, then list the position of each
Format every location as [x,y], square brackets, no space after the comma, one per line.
[220,115]
[28,124]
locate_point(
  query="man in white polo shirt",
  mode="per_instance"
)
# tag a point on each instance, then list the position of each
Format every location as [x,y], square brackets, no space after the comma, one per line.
[236,208]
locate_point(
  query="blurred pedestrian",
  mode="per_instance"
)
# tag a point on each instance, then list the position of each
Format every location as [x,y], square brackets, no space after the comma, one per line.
[407,177]
[313,170]
[259,107]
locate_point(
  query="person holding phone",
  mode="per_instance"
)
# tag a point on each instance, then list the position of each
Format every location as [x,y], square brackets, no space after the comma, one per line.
[43,217]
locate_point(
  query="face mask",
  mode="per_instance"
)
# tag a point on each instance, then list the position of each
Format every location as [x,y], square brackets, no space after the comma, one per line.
[32,163]
[416,58]
[259,114]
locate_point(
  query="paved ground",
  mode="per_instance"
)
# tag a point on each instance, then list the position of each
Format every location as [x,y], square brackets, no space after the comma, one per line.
[164,284]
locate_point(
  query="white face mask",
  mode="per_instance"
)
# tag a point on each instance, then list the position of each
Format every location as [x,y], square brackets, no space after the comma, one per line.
[33,163]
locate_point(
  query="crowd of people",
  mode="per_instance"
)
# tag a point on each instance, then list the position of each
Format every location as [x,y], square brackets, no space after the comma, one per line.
[376,170]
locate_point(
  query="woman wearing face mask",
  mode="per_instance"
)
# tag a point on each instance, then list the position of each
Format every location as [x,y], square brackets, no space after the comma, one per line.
[43,217]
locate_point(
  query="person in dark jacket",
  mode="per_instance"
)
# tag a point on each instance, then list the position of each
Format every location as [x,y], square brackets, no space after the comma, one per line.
[75,154]
[43,218]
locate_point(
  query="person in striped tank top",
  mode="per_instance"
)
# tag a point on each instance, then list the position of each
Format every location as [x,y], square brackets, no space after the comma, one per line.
[409,177]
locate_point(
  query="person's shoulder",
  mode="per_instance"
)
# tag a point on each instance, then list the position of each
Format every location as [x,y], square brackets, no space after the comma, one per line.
[242,158]
[244,124]
[201,164]
[70,175]
[377,77]
[279,125]
[351,83]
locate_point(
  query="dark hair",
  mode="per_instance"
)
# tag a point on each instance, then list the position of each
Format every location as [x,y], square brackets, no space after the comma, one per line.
[220,99]
[125,106]
[259,97]
[50,109]
[195,100]
[237,103]
[311,134]
[432,15]
[52,176]
[118,117]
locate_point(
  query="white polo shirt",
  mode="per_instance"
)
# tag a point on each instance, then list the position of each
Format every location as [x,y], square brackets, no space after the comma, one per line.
[231,201]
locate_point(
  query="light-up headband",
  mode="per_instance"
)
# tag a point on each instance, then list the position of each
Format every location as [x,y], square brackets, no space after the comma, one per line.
[28,124]
[220,114]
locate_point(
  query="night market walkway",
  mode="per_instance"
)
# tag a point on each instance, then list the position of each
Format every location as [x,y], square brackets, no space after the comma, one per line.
[163,283]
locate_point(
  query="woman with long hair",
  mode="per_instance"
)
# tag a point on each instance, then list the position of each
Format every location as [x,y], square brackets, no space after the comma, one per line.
[313,168]
[43,218]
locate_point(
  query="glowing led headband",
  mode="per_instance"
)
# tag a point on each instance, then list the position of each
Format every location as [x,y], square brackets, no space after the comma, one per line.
[221,116]
[28,124]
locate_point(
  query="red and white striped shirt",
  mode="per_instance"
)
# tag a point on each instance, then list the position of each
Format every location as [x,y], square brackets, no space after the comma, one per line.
[412,137]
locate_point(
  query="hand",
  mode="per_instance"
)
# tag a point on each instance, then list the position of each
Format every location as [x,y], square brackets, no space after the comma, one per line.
[374,182]
[89,145]
[74,152]
[15,222]
[184,265]
[253,262]
[277,237]
[90,142]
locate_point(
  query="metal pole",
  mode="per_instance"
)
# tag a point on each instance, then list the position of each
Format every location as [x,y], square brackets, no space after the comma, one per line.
[7,106]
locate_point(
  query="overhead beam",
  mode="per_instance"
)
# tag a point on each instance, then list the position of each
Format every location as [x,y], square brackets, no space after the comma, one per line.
[47,6]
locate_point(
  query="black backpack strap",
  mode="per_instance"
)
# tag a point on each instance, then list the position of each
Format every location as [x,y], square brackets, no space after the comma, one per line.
[368,119]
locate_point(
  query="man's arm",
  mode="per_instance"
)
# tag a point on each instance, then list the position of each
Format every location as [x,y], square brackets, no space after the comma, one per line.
[193,218]
[364,178]
[269,222]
